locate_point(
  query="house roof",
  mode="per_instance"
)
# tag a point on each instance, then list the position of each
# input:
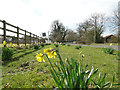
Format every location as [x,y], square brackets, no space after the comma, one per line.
[108,36]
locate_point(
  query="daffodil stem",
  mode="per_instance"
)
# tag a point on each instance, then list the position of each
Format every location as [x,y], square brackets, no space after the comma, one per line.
[81,63]
[51,64]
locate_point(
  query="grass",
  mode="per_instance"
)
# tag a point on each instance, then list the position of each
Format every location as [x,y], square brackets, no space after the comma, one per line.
[31,76]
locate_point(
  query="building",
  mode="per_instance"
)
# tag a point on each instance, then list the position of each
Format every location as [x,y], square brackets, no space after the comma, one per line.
[107,38]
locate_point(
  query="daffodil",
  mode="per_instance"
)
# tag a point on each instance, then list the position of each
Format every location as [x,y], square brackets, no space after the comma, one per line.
[46,50]
[13,45]
[41,42]
[10,43]
[110,44]
[50,52]
[40,57]
[4,42]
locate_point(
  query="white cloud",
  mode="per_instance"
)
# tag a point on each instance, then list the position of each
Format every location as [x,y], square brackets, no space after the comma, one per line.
[36,15]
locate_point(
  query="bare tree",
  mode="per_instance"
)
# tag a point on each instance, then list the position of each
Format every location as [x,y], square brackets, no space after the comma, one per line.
[58,31]
[71,36]
[95,23]
[98,22]
[114,20]
[83,28]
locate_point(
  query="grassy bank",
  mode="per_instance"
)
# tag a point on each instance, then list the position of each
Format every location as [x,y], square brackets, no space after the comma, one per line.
[26,72]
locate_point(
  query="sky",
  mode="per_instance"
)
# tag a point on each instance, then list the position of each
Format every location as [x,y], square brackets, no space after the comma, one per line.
[36,16]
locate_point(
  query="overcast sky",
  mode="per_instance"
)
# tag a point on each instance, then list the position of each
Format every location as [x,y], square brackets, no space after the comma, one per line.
[36,16]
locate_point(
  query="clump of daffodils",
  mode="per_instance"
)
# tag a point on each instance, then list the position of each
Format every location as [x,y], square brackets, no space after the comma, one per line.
[49,52]
[4,43]
[10,44]
[110,44]
[13,45]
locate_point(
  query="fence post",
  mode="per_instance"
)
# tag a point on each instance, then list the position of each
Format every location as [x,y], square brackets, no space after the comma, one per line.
[4,30]
[18,36]
[38,38]
[30,39]
[33,39]
[25,37]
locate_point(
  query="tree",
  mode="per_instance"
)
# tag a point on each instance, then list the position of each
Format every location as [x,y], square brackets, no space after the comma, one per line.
[58,31]
[71,36]
[98,22]
[92,28]
[82,30]
[114,20]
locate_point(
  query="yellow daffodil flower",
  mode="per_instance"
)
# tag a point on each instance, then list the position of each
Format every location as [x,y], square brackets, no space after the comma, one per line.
[53,54]
[110,44]
[4,42]
[41,42]
[13,45]
[50,52]
[10,43]
[46,50]
[40,57]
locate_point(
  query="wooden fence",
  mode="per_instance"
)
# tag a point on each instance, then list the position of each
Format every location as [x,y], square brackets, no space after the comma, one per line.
[28,37]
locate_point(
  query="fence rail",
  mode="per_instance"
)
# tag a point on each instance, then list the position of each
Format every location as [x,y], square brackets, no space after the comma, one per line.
[27,39]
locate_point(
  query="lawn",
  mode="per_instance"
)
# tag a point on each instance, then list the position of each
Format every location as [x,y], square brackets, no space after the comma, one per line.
[25,72]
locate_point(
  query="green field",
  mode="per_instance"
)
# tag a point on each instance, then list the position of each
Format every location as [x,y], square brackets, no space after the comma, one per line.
[35,73]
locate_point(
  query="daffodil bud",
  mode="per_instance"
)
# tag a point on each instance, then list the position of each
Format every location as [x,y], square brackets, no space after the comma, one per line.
[83,55]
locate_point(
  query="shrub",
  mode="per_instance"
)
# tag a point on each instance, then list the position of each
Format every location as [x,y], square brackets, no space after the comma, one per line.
[118,56]
[68,44]
[42,45]
[77,47]
[47,44]
[108,50]
[56,45]
[7,53]
[18,47]
[36,46]
[63,44]
[26,47]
